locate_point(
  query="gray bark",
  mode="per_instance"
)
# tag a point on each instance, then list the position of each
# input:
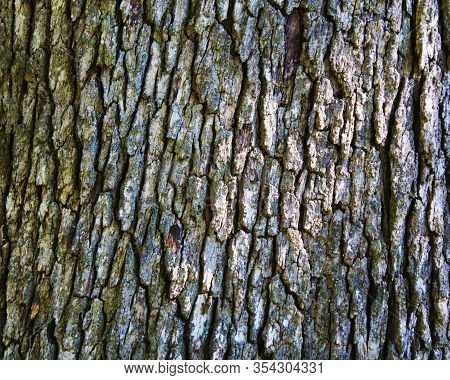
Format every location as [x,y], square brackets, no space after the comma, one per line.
[224,179]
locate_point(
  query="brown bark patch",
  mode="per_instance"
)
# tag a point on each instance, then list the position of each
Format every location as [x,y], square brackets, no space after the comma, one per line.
[174,239]
[294,40]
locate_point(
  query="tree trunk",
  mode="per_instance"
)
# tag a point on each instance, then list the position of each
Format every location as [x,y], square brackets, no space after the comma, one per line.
[224,179]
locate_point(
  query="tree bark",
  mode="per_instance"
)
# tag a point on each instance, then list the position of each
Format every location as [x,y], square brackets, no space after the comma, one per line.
[233,179]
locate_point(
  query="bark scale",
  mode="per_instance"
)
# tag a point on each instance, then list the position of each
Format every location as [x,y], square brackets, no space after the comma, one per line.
[224,179]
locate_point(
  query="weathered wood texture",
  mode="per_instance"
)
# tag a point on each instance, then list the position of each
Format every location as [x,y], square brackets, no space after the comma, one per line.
[224,179]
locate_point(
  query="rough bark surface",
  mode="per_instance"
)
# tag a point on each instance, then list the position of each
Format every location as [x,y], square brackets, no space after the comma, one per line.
[224,179]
